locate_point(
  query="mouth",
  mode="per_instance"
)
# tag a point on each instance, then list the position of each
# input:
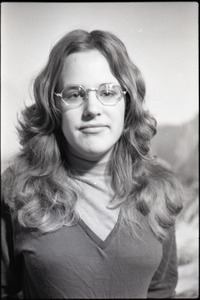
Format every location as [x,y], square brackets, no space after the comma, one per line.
[93,128]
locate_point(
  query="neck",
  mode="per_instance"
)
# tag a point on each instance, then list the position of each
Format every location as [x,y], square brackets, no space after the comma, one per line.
[81,165]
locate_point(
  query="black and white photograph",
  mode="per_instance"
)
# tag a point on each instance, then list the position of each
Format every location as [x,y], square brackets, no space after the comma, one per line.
[99,150]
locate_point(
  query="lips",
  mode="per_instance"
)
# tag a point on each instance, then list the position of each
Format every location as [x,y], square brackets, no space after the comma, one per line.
[93,128]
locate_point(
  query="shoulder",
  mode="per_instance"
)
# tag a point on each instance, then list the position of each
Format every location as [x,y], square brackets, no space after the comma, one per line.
[161,197]
[7,184]
[161,172]
[8,176]
[162,163]
[165,186]
[12,169]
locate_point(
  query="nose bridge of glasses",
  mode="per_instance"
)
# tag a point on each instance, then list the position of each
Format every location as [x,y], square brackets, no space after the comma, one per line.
[91,90]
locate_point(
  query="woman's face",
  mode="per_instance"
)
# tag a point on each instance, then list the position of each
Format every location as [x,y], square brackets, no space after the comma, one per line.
[92,129]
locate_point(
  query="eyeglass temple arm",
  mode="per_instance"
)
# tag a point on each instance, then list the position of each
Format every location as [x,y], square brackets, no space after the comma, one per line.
[57,94]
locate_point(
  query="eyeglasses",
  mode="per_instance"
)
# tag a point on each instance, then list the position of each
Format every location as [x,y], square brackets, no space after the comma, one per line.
[75,95]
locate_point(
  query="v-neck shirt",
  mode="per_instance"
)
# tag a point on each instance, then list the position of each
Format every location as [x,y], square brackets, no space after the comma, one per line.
[74,262]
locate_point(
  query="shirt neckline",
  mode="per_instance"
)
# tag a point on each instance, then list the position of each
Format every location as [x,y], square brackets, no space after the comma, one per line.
[95,238]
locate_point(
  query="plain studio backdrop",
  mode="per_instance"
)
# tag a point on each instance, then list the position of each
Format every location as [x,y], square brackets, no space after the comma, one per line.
[161,38]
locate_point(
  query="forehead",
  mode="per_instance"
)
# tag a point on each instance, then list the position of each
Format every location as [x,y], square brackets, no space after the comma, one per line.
[86,68]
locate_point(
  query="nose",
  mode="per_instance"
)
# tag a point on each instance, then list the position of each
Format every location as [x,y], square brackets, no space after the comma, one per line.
[92,106]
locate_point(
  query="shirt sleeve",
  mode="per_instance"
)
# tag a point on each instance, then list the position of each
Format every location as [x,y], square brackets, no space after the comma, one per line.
[10,273]
[165,278]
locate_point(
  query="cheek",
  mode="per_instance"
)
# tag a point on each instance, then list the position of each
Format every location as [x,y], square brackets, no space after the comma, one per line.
[119,117]
[68,124]
[120,125]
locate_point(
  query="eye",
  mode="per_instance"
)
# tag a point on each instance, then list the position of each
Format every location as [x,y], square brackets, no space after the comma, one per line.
[106,93]
[72,94]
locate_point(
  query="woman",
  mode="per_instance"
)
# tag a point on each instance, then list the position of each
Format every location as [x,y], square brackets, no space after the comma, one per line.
[87,212]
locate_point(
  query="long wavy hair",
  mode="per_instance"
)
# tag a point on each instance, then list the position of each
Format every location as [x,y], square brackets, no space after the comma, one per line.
[44,194]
